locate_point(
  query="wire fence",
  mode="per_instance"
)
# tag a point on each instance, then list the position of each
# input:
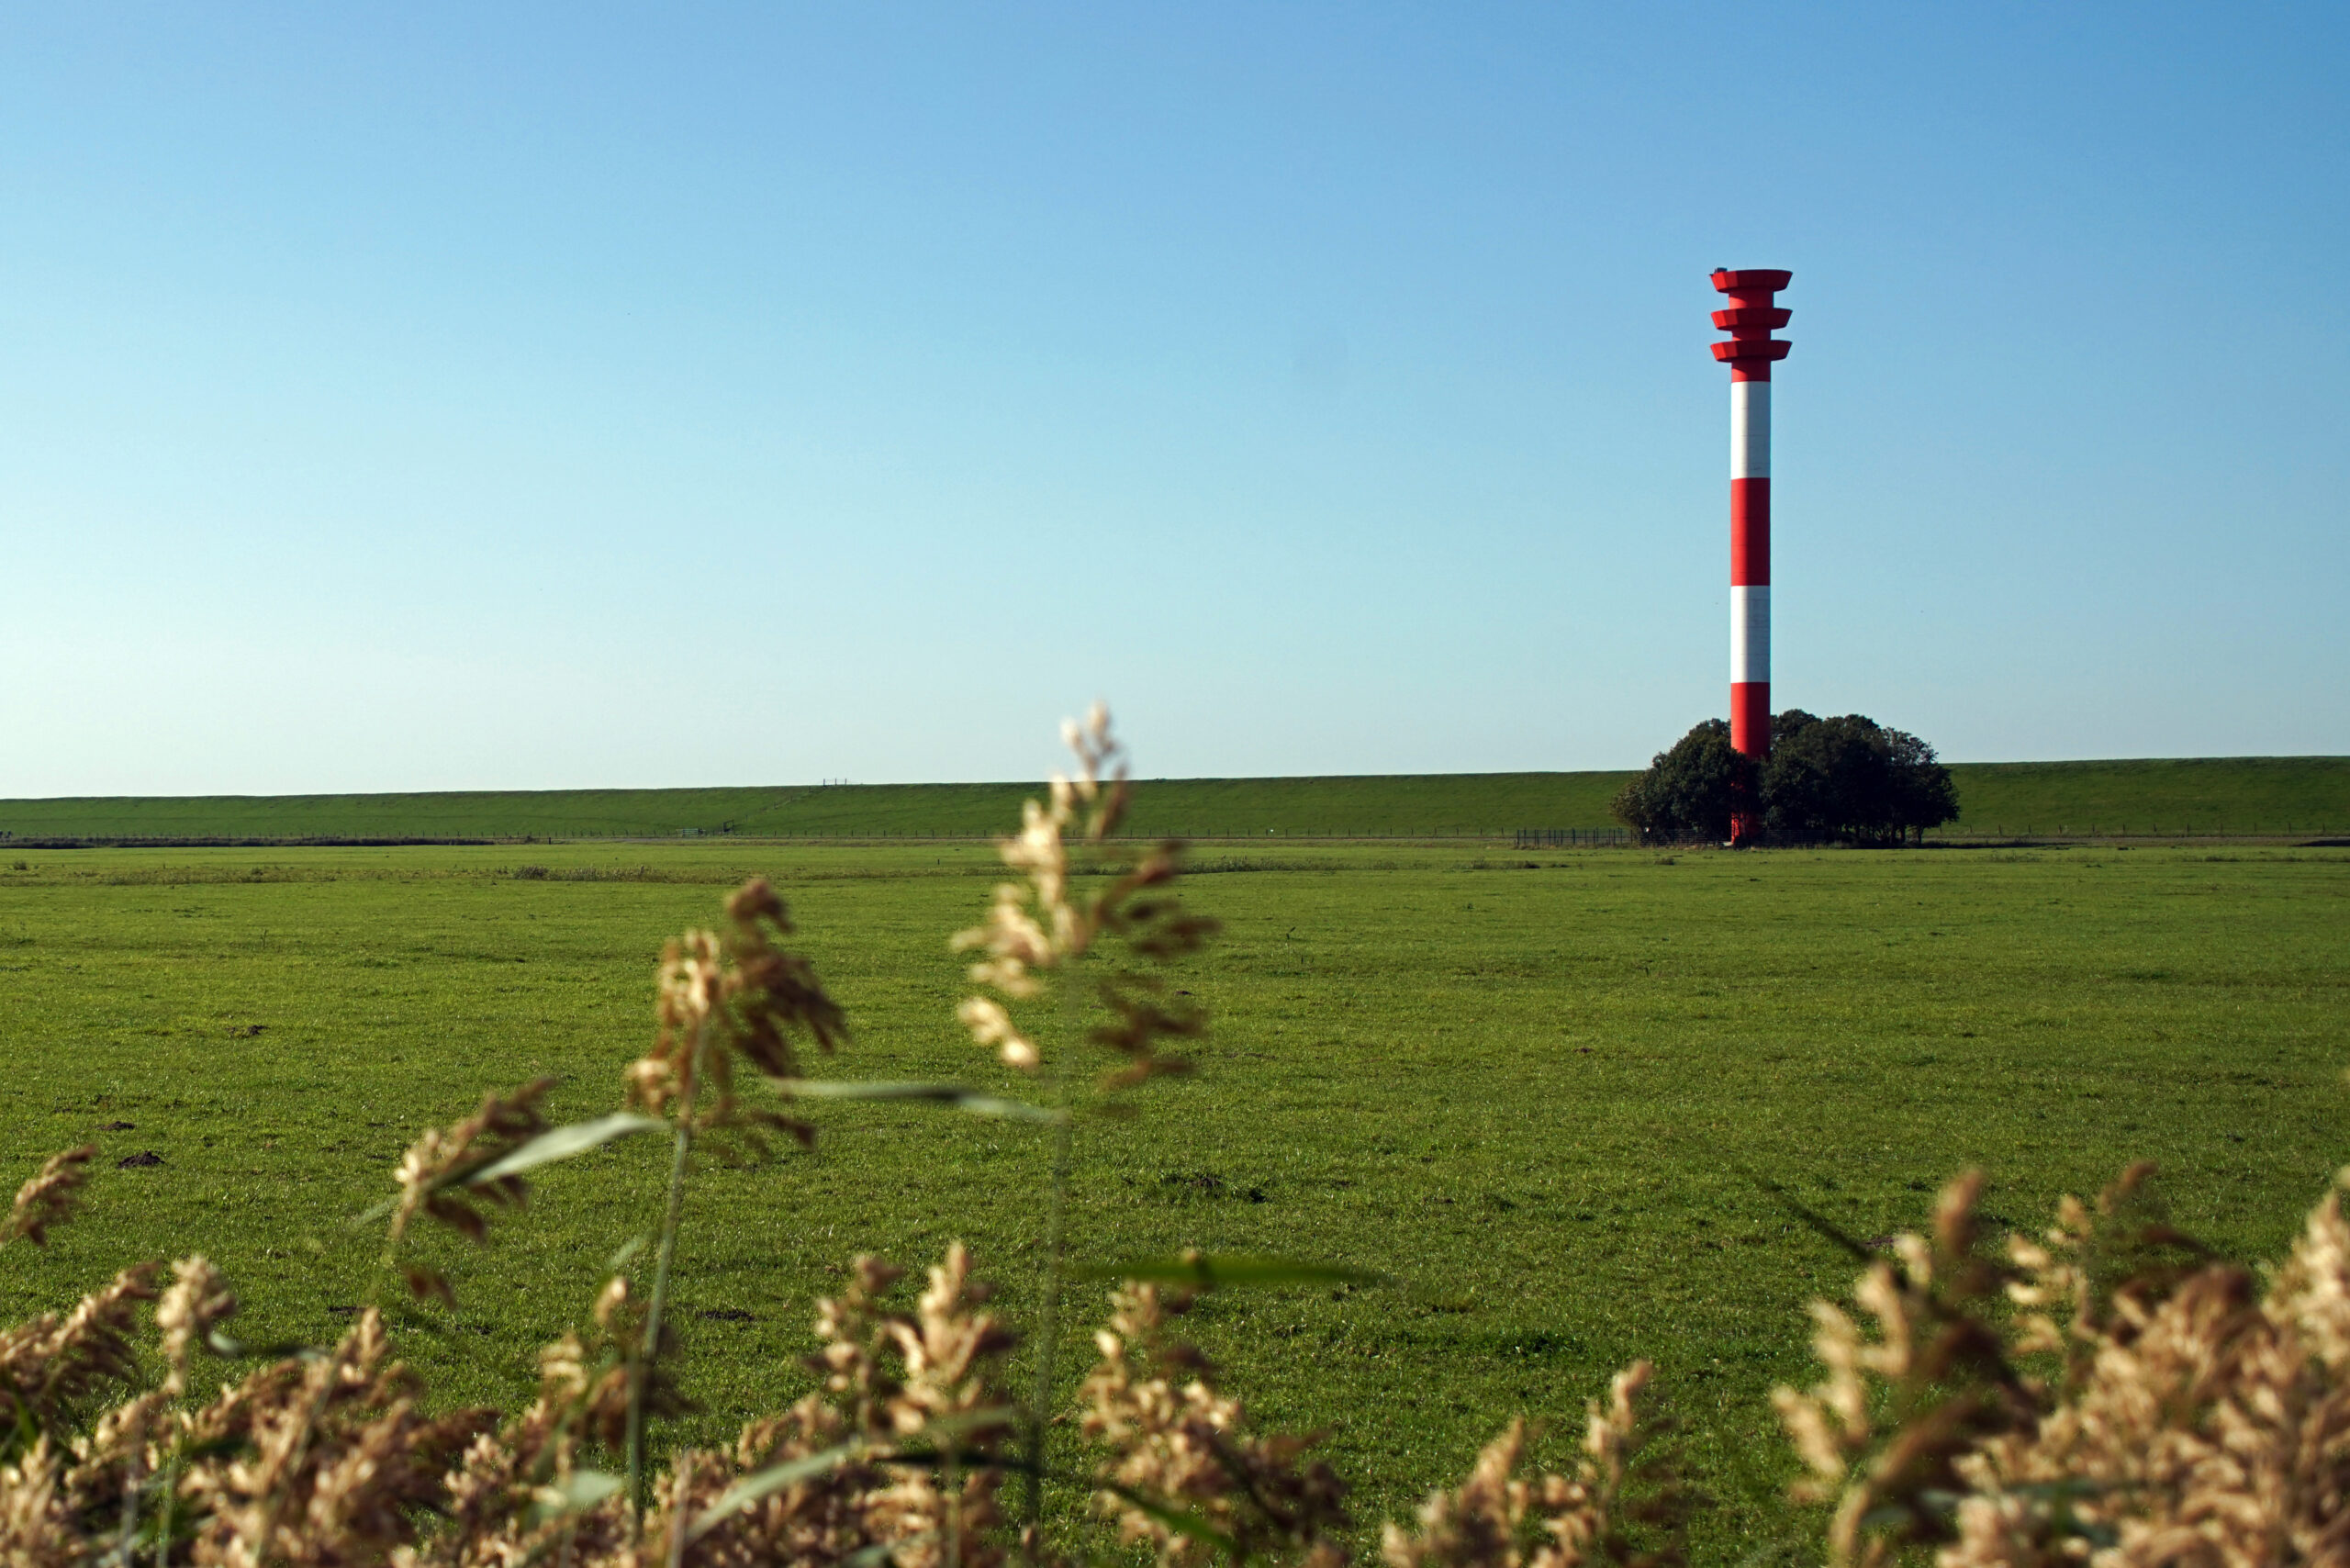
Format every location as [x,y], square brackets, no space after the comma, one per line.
[1572,838]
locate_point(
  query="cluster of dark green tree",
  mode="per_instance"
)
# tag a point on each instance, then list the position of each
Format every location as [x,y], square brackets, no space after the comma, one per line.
[1847,779]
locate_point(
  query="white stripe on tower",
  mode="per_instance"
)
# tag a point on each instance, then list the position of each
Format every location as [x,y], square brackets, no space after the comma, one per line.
[1750,430]
[1750,635]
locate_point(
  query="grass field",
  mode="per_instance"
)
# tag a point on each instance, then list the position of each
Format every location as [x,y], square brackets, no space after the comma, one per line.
[1534,1092]
[2260,796]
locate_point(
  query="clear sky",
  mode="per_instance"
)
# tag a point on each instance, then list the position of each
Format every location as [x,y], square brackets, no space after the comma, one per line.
[509,396]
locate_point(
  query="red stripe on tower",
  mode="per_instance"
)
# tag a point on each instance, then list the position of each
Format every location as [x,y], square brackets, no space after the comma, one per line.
[1749,320]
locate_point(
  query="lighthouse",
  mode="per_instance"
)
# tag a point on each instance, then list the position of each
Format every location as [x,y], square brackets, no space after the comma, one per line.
[1752,316]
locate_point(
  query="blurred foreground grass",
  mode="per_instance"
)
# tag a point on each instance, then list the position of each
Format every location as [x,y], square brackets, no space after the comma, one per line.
[1533,1086]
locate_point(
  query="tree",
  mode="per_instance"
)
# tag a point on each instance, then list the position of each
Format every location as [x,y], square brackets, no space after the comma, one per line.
[1847,777]
[1924,794]
[1853,779]
[1688,791]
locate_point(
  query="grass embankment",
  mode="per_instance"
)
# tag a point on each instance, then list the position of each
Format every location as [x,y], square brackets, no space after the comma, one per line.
[2276,796]
[1427,805]
[2273,796]
[1533,1092]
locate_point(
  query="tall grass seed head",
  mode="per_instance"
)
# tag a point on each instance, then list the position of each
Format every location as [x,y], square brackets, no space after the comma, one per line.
[48,1197]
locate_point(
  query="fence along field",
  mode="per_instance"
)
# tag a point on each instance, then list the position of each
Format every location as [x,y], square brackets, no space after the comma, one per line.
[1538,1095]
[2253,797]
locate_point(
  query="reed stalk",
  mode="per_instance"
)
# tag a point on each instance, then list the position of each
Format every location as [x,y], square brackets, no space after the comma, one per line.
[673,1215]
[1048,1333]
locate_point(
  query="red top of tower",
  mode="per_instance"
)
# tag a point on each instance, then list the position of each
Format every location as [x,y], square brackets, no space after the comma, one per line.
[1749,320]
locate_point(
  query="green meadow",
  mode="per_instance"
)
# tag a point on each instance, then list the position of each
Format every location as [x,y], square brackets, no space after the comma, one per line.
[1542,1092]
[2271,797]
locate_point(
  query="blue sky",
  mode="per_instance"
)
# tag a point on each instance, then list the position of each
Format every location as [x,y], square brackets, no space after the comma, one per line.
[441,396]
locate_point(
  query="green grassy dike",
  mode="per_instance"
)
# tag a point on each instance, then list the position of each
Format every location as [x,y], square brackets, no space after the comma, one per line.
[1535,1087]
[2273,796]
[2261,796]
[1188,808]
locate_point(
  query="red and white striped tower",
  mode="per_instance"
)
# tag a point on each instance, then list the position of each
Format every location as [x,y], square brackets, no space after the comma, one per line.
[1752,317]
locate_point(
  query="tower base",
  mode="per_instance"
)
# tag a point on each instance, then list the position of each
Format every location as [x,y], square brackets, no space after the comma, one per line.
[1750,737]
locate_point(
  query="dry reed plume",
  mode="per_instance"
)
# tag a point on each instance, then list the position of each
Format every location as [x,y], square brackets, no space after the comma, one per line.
[2107,1394]
[48,1198]
[1186,1476]
[2110,1394]
[739,997]
[437,1174]
[1043,926]
[1625,1504]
